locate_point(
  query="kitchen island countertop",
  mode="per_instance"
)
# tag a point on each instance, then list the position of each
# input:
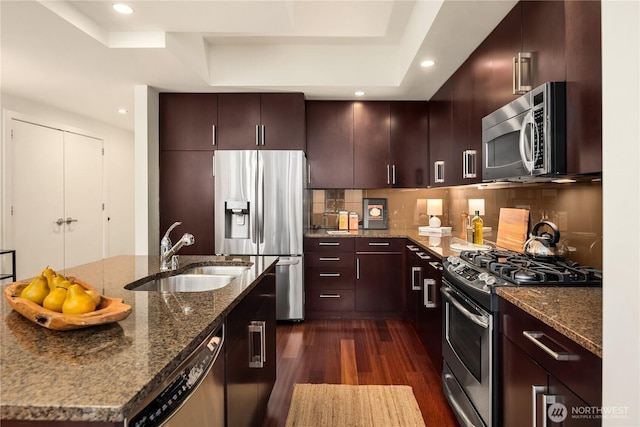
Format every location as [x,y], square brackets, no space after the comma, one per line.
[102,373]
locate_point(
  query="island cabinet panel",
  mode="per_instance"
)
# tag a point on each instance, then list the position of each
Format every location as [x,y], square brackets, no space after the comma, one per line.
[409,133]
[379,277]
[251,354]
[188,121]
[249,121]
[330,144]
[535,355]
[187,195]
[371,145]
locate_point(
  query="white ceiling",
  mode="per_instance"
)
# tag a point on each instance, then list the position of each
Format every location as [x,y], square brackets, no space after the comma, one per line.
[81,56]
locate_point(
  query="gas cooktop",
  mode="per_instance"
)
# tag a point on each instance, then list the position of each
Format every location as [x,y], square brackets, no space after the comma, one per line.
[528,270]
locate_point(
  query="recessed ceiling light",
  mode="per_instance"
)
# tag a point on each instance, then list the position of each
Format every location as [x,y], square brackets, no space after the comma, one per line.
[122,111]
[359,93]
[427,63]
[122,8]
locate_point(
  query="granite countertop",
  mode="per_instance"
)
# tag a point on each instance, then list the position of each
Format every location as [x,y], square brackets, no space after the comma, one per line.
[574,312]
[102,373]
[438,246]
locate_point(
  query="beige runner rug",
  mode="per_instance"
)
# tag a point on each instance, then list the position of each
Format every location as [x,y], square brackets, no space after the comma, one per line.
[353,405]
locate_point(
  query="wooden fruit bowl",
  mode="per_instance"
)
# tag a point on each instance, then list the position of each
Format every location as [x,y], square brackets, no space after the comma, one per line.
[108,311]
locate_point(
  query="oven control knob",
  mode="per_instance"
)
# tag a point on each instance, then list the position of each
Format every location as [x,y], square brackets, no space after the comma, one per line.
[487,278]
[453,260]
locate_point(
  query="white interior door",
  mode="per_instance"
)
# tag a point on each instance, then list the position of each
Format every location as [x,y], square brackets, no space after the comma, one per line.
[56,175]
[38,198]
[83,211]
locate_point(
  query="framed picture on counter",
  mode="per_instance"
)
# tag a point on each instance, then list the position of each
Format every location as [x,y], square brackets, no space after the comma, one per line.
[375,214]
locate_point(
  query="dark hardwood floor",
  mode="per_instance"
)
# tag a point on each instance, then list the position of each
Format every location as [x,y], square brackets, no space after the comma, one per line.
[355,352]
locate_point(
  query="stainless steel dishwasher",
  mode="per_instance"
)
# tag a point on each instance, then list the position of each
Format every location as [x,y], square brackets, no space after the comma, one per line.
[193,395]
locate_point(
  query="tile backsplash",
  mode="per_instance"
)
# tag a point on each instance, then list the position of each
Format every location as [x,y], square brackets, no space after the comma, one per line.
[575,208]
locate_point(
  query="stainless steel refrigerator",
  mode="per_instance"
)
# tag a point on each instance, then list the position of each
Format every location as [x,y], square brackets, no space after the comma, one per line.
[259,210]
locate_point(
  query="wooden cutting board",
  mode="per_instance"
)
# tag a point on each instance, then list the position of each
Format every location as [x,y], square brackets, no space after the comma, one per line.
[513,225]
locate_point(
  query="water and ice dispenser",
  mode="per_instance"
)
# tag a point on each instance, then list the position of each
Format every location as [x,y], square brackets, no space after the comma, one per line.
[237,222]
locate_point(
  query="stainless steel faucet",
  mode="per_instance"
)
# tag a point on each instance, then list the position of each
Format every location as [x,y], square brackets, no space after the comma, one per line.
[169,252]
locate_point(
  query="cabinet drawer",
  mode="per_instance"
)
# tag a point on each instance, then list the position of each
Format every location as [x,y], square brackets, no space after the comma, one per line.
[334,278]
[575,366]
[379,245]
[329,260]
[330,300]
[329,244]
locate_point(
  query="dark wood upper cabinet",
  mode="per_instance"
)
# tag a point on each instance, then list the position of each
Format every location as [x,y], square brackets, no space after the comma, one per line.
[283,118]
[543,24]
[193,170]
[330,144]
[440,136]
[564,41]
[238,118]
[410,143]
[249,121]
[583,57]
[371,145]
[187,120]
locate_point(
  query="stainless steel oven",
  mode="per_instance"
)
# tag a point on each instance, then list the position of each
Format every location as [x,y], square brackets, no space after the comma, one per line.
[470,321]
[467,349]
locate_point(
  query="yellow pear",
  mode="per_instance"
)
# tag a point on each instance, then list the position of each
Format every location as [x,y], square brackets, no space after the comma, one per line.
[55,299]
[57,279]
[49,273]
[94,296]
[37,290]
[77,301]
[64,284]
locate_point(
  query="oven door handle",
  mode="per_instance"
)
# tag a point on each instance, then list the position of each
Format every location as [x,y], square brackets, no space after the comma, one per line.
[478,320]
[456,406]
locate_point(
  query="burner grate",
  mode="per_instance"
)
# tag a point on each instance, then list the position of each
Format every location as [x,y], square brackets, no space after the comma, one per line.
[524,269]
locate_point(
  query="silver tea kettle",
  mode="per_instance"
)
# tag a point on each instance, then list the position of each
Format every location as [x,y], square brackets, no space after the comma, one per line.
[542,243]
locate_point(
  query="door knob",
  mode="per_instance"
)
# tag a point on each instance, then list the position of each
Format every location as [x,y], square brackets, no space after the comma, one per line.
[60,221]
[70,220]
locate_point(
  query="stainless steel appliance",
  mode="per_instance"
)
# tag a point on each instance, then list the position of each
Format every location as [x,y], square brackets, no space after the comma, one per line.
[525,139]
[193,395]
[259,210]
[470,329]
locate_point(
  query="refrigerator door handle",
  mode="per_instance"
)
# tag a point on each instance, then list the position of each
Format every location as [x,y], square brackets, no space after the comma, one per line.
[260,196]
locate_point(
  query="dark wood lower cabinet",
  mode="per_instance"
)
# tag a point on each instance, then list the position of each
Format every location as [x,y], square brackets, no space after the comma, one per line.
[251,354]
[520,375]
[378,282]
[540,388]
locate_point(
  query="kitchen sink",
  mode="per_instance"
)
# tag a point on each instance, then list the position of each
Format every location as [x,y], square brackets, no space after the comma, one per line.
[194,279]
[231,270]
[186,283]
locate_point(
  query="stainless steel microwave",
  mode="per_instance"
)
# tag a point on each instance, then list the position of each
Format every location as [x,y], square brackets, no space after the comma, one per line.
[525,139]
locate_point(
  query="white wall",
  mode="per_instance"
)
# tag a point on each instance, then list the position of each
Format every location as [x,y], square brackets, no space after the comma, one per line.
[147,184]
[119,169]
[621,195]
